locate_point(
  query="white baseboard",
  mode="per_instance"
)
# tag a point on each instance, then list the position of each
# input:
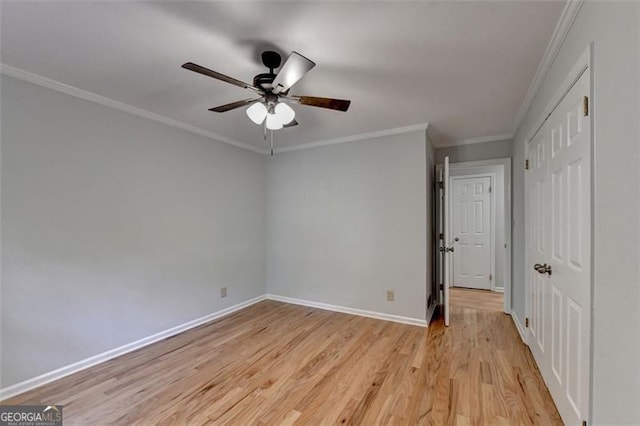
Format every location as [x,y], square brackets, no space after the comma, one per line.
[519,327]
[347,310]
[51,376]
[430,312]
[45,378]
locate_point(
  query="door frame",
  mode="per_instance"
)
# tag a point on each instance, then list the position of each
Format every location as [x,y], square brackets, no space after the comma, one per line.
[481,166]
[583,65]
[492,221]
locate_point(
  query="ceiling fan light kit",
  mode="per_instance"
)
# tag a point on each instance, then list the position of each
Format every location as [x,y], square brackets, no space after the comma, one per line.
[277,116]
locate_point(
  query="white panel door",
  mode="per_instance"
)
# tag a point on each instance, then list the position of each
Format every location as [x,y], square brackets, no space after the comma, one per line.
[558,207]
[569,234]
[471,231]
[447,240]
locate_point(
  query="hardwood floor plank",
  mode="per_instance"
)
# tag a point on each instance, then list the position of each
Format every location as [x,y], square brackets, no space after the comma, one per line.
[279,364]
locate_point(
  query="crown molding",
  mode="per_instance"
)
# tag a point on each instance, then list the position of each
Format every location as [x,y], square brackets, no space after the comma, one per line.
[102,100]
[483,139]
[357,137]
[563,27]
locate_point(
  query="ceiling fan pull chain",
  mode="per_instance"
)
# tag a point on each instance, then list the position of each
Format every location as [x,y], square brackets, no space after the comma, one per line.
[272,143]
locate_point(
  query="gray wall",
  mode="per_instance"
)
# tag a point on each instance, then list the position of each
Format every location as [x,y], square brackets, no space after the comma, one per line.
[115,228]
[347,222]
[613,29]
[475,151]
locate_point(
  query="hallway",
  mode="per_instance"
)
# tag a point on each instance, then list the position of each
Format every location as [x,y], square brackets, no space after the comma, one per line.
[483,300]
[483,369]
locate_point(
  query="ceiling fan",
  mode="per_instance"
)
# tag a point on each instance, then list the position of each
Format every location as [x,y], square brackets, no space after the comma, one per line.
[272,90]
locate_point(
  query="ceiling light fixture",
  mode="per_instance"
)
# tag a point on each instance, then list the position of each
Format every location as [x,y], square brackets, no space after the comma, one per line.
[276,116]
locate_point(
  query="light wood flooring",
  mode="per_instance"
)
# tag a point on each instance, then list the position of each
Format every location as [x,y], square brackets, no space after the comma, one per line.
[481,300]
[274,363]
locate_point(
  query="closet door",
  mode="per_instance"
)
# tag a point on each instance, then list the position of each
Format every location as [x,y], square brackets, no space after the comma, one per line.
[570,249]
[558,244]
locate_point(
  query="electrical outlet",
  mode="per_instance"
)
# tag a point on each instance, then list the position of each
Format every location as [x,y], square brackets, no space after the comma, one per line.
[223,292]
[390,296]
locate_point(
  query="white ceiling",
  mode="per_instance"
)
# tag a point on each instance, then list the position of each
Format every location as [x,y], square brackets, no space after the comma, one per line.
[464,67]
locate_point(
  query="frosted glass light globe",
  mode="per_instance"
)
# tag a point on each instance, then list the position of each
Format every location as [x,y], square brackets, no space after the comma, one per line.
[273,122]
[257,112]
[285,113]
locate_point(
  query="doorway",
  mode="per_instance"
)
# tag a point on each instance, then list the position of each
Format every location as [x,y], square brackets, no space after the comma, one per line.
[482,192]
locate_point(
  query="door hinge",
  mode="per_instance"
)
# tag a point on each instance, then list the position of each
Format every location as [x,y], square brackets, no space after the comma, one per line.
[526,164]
[526,323]
[490,277]
[489,189]
[441,236]
[585,106]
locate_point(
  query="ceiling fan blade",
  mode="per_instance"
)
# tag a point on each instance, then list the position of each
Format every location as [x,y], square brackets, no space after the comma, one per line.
[233,105]
[291,72]
[291,124]
[329,103]
[213,74]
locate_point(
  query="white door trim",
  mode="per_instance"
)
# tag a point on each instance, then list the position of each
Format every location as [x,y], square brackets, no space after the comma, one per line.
[583,64]
[506,165]
[492,219]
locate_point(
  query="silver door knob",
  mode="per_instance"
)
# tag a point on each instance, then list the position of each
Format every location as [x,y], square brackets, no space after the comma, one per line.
[542,269]
[546,269]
